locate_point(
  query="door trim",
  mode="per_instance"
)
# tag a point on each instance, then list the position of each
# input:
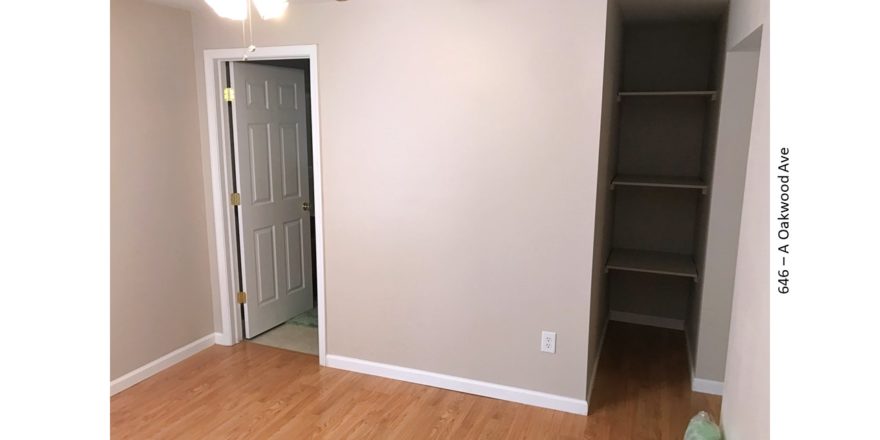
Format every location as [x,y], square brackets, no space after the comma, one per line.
[221,224]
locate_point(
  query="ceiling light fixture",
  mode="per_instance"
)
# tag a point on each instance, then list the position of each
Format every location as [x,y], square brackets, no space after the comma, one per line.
[238,9]
[231,9]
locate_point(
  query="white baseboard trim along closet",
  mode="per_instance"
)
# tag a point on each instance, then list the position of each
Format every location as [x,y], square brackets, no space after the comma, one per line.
[470,386]
[701,385]
[146,371]
[592,381]
[653,321]
[707,386]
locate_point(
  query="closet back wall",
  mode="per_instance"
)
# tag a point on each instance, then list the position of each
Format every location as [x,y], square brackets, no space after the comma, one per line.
[459,146]
[662,136]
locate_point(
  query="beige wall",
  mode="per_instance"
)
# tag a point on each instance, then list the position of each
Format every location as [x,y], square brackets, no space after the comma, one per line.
[159,289]
[745,409]
[725,209]
[710,138]
[744,17]
[460,147]
[604,199]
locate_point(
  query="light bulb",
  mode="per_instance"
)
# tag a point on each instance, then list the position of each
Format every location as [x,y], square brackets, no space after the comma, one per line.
[232,9]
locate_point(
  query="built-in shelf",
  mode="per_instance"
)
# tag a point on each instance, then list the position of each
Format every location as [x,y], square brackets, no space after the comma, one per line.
[663,263]
[659,182]
[708,93]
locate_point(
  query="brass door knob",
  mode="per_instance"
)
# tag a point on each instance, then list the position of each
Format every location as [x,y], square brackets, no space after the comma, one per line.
[306,206]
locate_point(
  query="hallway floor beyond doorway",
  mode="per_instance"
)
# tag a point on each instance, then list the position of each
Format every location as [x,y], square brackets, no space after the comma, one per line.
[299,334]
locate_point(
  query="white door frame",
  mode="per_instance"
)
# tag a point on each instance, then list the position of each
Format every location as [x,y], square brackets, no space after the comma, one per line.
[221,185]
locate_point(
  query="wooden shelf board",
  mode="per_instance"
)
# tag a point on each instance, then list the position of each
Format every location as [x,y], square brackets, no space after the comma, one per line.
[709,93]
[659,182]
[663,263]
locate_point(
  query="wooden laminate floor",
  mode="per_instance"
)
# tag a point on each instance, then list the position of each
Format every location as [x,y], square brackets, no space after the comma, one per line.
[251,391]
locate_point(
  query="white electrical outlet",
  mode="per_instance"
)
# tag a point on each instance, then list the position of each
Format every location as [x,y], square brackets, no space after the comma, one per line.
[548,342]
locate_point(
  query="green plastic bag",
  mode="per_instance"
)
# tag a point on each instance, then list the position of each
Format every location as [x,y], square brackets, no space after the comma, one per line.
[702,427]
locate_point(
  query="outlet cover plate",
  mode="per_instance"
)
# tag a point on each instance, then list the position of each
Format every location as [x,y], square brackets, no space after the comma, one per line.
[548,342]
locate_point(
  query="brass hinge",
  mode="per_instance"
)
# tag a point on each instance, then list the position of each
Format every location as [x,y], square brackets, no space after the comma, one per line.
[235,199]
[229,94]
[241,298]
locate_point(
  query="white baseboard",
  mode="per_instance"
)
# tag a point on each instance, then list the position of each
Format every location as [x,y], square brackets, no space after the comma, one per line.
[707,386]
[596,364]
[221,339]
[701,385]
[653,321]
[470,386]
[150,369]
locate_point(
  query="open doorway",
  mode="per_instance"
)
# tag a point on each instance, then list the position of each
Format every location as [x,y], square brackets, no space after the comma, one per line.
[265,175]
[272,176]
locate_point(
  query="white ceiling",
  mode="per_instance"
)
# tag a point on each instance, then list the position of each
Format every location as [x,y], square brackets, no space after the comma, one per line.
[190,5]
[671,9]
